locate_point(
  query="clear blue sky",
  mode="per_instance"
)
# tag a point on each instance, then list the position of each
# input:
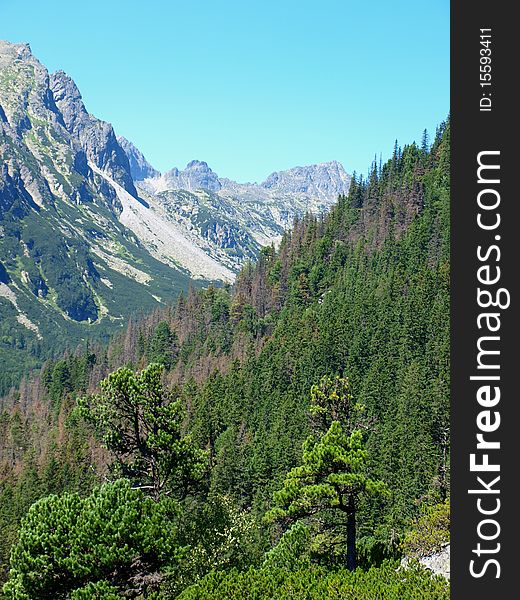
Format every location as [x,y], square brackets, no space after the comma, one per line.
[249,87]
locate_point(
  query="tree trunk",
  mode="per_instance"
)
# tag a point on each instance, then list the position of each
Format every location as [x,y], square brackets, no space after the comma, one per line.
[351,536]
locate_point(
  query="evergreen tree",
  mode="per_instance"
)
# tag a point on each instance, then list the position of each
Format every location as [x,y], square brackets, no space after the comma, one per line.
[163,346]
[140,422]
[425,142]
[116,539]
[333,473]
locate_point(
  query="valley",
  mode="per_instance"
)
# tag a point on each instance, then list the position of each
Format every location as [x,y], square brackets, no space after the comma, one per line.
[91,233]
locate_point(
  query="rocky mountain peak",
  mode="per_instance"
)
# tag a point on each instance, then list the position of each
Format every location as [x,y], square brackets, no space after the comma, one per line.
[321,180]
[200,176]
[196,176]
[72,138]
[199,165]
[24,87]
[10,51]
[68,100]
[140,168]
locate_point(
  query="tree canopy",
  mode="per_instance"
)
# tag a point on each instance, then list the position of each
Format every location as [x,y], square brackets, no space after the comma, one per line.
[140,423]
[333,472]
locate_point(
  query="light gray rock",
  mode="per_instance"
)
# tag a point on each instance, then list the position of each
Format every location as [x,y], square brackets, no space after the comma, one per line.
[24,88]
[95,137]
[438,562]
[196,176]
[69,102]
[324,180]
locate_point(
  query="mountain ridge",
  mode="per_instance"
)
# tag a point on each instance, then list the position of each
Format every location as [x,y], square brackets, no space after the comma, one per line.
[85,242]
[262,212]
[69,265]
[198,175]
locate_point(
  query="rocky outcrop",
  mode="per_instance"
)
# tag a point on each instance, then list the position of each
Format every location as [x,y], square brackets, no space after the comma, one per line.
[324,180]
[47,137]
[140,168]
[24,88]
[95,137]
[196,176]
[437,562]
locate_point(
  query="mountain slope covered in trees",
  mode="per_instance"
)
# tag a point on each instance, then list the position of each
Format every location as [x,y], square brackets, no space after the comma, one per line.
[82,247]
[361,294]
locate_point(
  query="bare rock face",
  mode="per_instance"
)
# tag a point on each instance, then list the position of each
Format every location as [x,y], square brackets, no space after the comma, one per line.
[140,168]
[196,176]
[438,562]
[68,101]
[47,135]
[24,88]
[96,138]
[323,180]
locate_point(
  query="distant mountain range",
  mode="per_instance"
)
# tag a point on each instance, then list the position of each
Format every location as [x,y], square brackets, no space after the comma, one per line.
[90,232]
[231,221]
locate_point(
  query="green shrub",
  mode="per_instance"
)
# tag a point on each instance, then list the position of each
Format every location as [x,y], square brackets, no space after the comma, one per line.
[384,583]
[116,533]
[292,551]
[429,532]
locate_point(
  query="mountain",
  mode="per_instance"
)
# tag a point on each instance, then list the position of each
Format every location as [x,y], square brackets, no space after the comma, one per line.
[326,180]
[140,168]
[91,232]
[70,266]
[196,176]
[321,182]
[95,138]
[231,221]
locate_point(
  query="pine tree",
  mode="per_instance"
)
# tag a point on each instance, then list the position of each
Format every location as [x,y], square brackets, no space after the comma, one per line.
[140,423]
[115,534]
[333,473]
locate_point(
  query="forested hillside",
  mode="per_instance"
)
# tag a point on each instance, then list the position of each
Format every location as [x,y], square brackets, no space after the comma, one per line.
[339,339]
[90,233]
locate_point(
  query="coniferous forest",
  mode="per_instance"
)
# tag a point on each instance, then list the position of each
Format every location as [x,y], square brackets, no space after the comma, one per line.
[286,437]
